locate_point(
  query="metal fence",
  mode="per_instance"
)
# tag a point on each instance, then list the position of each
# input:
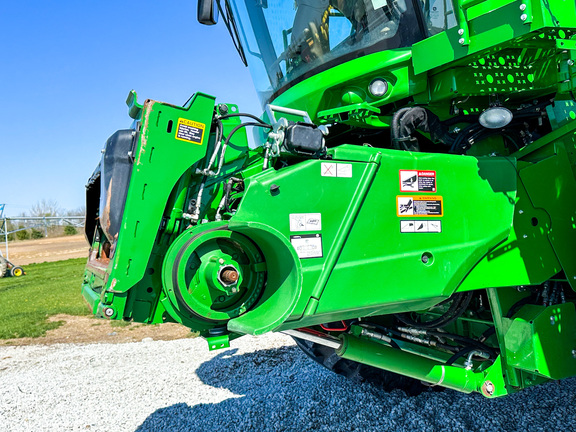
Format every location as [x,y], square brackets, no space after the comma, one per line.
[33,222]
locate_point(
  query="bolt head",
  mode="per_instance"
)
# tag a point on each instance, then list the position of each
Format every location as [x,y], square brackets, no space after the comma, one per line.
[574,353]
[221,260]
[522,7]
[461,41]
[461,32]
[488,388]
[108,312]
[552,320]
[523,17]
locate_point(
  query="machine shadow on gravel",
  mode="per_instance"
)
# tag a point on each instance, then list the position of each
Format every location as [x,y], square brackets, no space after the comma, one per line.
[282,390]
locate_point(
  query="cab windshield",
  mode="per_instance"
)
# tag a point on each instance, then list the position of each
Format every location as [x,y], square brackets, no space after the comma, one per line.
[286,41]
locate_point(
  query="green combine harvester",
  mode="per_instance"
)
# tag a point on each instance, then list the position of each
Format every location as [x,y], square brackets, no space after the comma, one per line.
[406,211]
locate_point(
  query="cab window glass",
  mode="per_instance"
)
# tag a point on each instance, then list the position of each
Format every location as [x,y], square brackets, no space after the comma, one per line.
[438,15]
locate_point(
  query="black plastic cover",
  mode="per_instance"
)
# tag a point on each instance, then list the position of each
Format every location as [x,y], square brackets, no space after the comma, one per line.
[92,204]
[116,169]
[305,139]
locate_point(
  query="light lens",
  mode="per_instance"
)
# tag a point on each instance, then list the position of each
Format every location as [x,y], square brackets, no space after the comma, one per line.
[496,117]
[378,87]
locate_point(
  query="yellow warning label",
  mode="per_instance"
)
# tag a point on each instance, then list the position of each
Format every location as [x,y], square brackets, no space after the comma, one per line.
[419,206]
[190,131]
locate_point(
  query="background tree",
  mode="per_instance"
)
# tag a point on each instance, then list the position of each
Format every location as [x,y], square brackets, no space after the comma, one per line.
[46,208]
[79,211]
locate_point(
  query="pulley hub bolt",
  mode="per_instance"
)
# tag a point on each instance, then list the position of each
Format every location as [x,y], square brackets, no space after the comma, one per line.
[229,276]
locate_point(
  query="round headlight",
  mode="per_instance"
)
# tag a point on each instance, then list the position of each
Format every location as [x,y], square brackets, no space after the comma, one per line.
[378,87]
[495,117]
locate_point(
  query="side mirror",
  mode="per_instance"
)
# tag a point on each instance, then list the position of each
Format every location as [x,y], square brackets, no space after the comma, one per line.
[208,12]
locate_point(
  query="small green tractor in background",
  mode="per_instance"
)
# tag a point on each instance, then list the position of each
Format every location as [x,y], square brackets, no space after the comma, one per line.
[406,211]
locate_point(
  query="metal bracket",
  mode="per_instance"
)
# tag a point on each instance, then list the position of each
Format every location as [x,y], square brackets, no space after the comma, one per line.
[218,342]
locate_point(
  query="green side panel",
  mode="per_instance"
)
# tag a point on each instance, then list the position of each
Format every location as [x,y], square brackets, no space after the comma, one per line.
[541,340]
[526,257]
[551,185]
[160,161]
[409,270]
[366,242]
[544,233]
[302,191]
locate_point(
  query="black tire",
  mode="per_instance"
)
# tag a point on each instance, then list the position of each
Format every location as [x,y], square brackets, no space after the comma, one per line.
[3,266]
[16,271]
[359,372]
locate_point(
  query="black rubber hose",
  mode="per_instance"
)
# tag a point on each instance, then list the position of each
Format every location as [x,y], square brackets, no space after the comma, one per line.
[253,117]
[459,354]
[406,121]
[462,135]
[227,191]
[395,128]
[409,337]
[516,306]
[466,340]
[461,302]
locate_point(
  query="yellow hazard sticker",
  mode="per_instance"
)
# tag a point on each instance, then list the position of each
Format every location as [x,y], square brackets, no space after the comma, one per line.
[419,206]
[190,131]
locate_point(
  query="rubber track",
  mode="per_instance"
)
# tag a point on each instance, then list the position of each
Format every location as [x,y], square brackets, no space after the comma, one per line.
[359,372]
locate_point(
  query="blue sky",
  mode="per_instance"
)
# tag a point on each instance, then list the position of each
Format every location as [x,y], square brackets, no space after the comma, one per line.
[66,69]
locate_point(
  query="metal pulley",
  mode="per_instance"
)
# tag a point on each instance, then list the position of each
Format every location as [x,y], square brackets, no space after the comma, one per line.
[213,276]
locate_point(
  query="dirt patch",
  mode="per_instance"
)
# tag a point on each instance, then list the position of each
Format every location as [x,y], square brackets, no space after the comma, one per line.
[82,329]
[48,249]
[88,329]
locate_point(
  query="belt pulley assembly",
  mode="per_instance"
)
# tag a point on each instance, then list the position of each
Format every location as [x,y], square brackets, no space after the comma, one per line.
[213,276]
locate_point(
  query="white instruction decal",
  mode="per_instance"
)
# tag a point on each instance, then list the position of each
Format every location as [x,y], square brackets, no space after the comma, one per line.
[330,169]
[305,222]
[307,245]
[343,170]
[416,226]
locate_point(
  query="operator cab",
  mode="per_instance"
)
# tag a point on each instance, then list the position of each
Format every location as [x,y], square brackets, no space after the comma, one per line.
[287,41]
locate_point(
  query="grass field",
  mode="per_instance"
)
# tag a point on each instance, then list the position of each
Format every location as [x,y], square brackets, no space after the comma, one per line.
[46,289]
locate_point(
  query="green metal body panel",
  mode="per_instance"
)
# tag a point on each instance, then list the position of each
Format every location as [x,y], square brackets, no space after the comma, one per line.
[540,340]
[230,240]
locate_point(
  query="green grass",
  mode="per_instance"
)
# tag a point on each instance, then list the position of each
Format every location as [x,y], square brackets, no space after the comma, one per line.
[46,289]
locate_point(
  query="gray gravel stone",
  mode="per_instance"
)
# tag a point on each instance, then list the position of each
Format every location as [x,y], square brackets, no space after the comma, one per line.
[259,384]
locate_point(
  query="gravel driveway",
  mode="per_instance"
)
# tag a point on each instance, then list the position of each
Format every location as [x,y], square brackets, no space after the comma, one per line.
[260,384]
